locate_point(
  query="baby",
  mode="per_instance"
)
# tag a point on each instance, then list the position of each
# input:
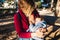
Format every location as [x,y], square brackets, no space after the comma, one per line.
[39,24]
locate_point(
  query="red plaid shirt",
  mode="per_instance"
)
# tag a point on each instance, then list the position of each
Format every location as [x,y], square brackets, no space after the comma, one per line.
[22,25]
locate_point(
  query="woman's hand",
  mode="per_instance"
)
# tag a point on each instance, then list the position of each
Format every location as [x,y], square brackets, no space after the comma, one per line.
[39,34]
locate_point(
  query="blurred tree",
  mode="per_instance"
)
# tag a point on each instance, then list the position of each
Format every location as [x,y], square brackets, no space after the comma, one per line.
[36,0]
[2,0]
[38,4]
[58,8]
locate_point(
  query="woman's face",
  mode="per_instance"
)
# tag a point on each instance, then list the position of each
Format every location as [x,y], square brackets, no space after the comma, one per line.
[25,7]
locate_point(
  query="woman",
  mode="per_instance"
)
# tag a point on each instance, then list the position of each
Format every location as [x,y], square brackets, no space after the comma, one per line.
[26,9]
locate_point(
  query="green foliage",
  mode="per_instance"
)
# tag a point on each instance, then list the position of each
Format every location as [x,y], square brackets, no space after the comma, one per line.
[36,0]
[38,4]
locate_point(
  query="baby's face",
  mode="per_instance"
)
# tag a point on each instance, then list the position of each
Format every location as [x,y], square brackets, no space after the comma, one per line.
[38,19]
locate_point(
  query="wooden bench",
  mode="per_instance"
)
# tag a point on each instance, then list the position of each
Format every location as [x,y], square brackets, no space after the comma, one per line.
[57,22]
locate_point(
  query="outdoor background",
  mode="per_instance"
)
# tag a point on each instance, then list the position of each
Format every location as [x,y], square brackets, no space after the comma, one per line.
[48,8]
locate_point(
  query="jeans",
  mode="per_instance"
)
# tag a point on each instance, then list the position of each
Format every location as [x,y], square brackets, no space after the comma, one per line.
[25,39]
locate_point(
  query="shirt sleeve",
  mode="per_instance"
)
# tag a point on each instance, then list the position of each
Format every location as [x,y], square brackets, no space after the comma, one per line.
[18,26]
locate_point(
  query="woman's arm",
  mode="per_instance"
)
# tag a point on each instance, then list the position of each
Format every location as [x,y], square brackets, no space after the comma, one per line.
[18,28]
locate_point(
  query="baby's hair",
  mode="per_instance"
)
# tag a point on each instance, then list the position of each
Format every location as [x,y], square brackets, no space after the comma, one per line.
[42,17]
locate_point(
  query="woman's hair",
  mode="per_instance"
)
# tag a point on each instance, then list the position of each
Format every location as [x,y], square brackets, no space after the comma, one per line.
[27,3]
[30,2]
[27,6]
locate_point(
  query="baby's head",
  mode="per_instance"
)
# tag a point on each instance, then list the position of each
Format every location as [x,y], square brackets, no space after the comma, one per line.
[38,19]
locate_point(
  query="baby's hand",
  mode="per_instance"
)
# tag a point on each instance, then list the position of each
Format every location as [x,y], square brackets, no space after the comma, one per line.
[42,35]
